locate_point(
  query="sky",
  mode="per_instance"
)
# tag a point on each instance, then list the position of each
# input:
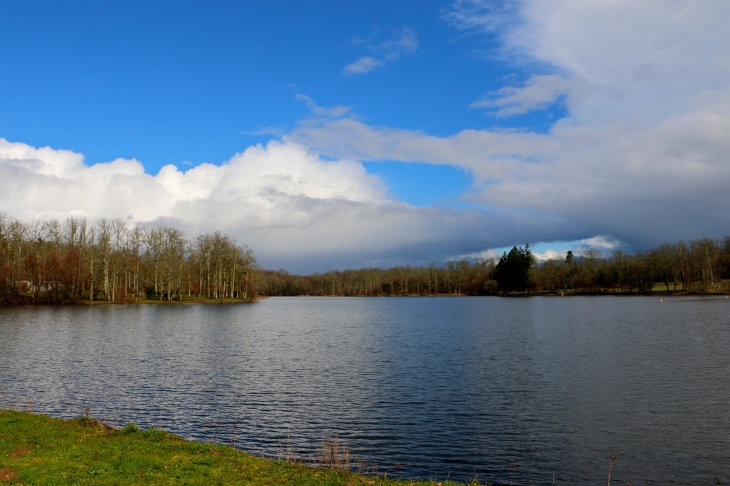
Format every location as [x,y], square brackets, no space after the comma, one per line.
[335,134]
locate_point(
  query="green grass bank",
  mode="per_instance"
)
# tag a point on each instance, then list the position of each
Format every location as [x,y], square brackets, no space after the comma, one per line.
[40,450]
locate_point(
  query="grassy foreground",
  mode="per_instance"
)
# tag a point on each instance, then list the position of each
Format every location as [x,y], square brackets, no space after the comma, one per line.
[36,449]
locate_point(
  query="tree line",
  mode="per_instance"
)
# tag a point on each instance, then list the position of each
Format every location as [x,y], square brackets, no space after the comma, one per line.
[453,278]
[697,266]
[110,260]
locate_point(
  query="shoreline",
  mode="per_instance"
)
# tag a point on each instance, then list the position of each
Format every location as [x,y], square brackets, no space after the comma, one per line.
[38,449]
[204,301]
[201,301]
[654,293]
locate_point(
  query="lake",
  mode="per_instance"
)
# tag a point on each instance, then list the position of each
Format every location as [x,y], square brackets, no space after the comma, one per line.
[509,390]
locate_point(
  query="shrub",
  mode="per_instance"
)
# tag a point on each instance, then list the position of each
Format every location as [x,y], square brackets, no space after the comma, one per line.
[130,428]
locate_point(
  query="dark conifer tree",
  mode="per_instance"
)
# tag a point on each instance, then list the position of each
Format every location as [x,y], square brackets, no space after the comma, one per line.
[513,270]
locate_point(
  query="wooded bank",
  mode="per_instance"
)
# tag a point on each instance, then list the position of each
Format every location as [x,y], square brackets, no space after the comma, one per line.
[697,266]
[72,260]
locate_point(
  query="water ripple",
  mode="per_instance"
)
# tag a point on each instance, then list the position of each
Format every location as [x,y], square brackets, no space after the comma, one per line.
[452,387]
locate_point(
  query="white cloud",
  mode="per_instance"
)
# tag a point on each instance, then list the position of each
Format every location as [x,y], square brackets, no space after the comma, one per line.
[604,244]
[320,111]
[550,255]
[276,131]
[640,60]
[404,41]
[363,65]
[556,250]
[495,254]
[643,153]
[294,208]
[480,14]
[599,242]
[478,255]
[278,169]
[538,93]
[622,59]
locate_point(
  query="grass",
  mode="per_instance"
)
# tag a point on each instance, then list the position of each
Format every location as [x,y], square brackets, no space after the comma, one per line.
[37,449]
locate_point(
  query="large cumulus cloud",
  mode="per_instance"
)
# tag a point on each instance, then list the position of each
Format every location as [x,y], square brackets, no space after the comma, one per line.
[294,208]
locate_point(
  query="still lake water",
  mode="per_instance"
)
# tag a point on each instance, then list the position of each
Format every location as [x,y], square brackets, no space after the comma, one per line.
[446,387]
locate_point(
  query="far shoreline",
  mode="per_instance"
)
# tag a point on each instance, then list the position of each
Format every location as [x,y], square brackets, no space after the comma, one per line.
[201,301]
[29,301]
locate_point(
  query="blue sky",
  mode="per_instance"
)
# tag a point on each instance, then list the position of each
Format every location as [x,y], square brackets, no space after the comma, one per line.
[464,116]
[168,82]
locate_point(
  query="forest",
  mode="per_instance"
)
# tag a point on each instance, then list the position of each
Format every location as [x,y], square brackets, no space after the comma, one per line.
[72,260]
[111,261]
[698,266]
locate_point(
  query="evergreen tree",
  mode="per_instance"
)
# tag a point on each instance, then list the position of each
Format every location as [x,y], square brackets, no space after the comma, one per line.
[513,270]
